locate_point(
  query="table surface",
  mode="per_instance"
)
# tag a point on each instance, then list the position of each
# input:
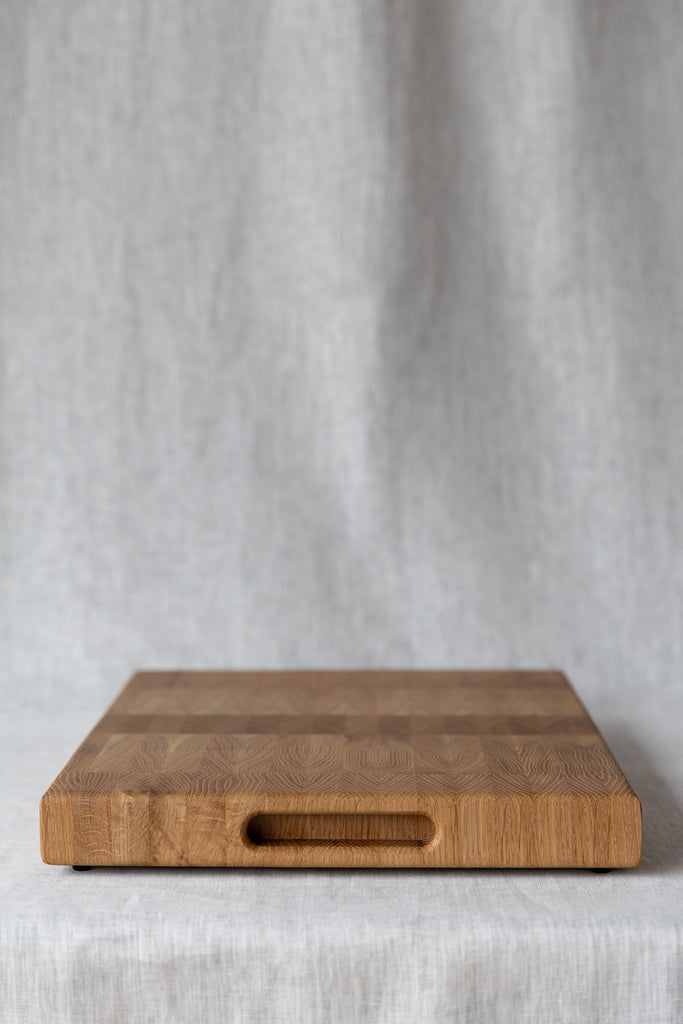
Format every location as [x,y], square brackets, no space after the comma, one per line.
[295,945]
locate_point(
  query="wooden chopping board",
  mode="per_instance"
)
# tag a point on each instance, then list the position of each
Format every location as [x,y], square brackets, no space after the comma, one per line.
[343,769]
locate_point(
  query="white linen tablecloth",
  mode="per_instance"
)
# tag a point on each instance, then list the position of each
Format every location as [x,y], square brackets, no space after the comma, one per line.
[324,947]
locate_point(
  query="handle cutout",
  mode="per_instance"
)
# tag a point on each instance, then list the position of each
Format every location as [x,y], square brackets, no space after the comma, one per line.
[340,829]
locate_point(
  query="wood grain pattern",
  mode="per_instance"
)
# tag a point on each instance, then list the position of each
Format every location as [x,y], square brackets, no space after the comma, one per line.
[343,769]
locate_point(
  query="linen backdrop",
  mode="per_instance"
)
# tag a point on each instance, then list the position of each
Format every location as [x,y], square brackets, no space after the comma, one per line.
[344,334]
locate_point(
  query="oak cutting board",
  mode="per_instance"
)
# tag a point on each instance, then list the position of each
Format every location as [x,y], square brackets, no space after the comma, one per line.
[343,769]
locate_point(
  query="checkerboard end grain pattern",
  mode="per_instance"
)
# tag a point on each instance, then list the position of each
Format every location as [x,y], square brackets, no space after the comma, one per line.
[343,769]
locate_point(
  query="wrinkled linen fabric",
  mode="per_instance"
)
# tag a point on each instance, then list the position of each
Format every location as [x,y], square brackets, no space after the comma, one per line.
[320,947]
[342,334]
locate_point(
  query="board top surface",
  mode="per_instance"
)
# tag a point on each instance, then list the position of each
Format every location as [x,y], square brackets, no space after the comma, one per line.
[346,732]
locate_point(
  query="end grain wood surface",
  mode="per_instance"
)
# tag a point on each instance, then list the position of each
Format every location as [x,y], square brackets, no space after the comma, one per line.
[343,769]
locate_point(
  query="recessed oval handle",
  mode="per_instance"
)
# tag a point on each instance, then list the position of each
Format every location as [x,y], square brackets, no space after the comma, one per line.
[361,829]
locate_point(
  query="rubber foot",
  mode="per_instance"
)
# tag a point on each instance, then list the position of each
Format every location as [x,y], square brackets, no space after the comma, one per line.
[81,867]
